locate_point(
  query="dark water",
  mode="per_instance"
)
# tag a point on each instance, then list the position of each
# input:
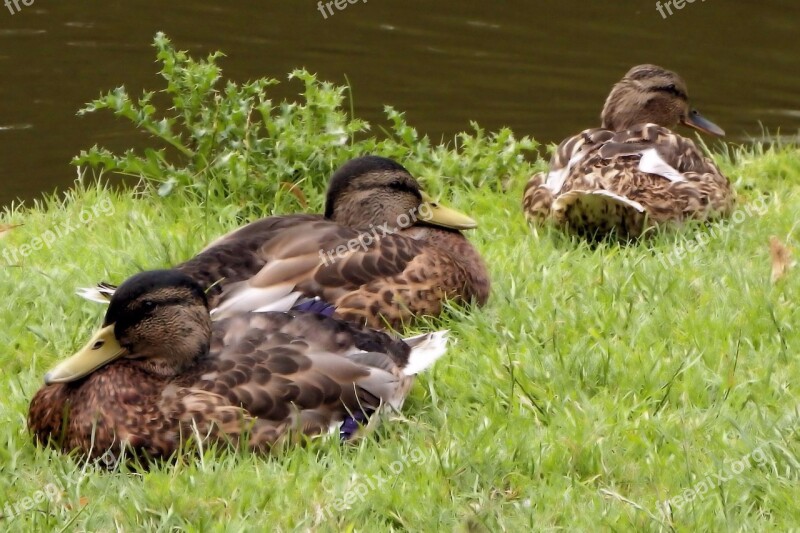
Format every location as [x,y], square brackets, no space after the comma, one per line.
[540,67]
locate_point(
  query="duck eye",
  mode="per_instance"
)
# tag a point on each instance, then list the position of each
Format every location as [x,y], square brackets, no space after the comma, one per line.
[149,304]
[671,88]
[397,184]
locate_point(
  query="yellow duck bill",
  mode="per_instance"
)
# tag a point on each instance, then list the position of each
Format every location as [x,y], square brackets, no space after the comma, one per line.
[438,215]
[101,349]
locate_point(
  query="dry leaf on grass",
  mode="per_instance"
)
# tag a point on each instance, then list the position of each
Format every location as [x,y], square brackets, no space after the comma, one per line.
[781,258]
[6,228]
[83,501]
[296,192]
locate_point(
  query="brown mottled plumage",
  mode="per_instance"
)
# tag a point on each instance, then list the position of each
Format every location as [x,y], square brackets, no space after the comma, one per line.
[633,172]
[160,371]
[382,254]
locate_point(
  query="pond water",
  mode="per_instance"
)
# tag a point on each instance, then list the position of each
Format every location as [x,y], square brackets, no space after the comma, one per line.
[541,67]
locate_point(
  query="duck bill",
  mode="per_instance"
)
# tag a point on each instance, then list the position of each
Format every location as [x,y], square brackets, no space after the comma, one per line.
[99,351]
[699,122]
[438,215]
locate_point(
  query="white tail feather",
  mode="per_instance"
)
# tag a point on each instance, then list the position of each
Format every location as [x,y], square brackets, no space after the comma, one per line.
[93,294]
[425,351]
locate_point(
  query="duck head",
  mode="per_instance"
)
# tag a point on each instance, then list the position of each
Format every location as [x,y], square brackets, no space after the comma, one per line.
[651,94]
[158,320]
[373,191]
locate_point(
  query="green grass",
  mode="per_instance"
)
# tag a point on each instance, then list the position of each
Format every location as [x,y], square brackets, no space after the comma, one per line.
[596,383]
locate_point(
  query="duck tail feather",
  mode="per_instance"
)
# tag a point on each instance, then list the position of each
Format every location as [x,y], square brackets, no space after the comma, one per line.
[101,293]
[425,351]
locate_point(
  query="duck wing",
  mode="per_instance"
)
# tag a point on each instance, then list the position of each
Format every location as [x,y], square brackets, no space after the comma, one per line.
[377,277]
[662,171]
[283,374]
[372,278]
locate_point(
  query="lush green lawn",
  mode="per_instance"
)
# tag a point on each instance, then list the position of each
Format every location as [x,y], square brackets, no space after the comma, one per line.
[641,387]
[596,385]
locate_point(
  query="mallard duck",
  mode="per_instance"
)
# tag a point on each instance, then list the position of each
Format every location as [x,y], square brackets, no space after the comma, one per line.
[159,371]
[382,254]
[633,171]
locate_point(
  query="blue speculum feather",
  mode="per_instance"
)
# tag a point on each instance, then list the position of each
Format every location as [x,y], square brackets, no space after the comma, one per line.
[316,305]
[352,422]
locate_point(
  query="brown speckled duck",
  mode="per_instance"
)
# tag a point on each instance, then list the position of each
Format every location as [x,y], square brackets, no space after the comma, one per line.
[382,254]
[160,372]
[633,172]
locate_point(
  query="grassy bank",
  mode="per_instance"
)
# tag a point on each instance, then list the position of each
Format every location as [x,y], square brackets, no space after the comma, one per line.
[596,385]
